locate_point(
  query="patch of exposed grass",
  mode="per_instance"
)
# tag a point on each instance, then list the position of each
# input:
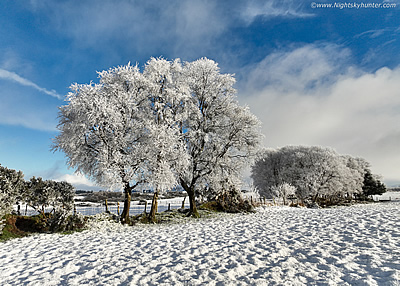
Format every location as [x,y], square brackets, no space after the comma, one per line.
[211,206]
[17,226]
[172,216]
[10,229]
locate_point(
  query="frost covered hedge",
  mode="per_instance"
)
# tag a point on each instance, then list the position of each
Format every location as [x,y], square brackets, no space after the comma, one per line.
[36,193]
[11,187]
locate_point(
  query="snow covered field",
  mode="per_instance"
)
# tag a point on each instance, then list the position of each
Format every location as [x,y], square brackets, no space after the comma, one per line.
[388,196]
[358,245]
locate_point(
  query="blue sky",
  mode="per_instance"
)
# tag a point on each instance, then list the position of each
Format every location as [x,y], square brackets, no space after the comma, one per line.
[328,77]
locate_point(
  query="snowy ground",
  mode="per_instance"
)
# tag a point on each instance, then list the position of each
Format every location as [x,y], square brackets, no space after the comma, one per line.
[358,245]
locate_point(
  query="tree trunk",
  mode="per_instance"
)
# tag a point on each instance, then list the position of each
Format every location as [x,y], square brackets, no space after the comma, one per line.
[192,199]
[315,198]
[127,204]
[154,206]
[193,209]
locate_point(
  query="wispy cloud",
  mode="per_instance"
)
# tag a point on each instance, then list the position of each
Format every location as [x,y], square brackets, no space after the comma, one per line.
[24,103]
[274,8]
[7,75]
[372,34]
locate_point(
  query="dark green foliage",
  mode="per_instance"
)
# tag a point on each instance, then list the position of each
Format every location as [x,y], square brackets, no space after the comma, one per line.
[372,186]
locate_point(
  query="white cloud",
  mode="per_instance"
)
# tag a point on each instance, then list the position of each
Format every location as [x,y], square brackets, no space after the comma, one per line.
[144,27]
[7,75]
[151,28]
[311,96]
[303,68]
[79,181]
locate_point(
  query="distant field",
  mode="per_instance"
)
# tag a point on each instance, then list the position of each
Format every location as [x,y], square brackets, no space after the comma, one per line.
[393,196]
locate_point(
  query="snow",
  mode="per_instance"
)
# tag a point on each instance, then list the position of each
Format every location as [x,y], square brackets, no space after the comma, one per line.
[357,245]
[388,196]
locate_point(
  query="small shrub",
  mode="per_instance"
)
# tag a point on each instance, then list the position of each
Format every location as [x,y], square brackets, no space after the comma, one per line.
[229,201]
[212,206]
[32,224]
[62,221]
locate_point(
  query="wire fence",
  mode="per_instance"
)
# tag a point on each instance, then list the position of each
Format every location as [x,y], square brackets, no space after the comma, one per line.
[113,208]
[133,210]
[163,205]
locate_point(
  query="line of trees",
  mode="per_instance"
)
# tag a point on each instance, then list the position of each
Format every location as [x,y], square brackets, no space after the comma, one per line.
[313,173]
[36,193]
[171,124]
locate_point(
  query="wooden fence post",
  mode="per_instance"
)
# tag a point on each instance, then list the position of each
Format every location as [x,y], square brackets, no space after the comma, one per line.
[183,202]
[154,207]
[106,203]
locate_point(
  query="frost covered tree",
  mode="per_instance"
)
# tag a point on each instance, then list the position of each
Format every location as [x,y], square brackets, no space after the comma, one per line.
[64,194]
[166,92]
[41,194]
[220,135]
[313,171]
[116,132]
[283,191]
[12,186]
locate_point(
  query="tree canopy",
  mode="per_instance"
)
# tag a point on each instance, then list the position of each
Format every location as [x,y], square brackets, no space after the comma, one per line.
[313,172]
[173,123]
